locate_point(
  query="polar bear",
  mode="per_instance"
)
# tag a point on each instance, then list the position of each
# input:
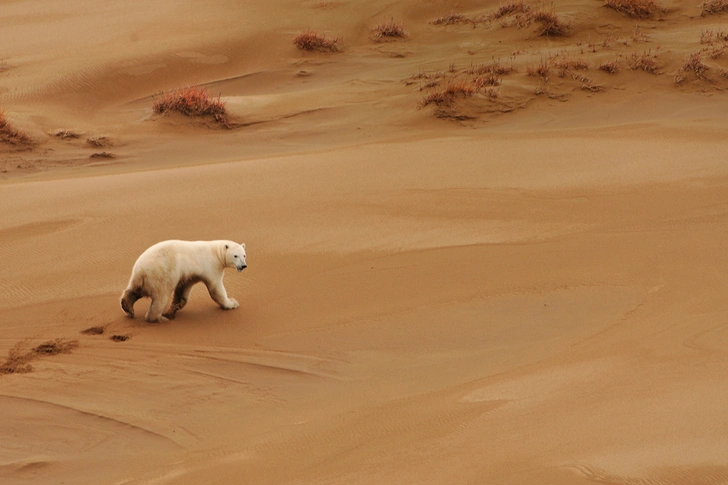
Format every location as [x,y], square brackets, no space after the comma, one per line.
[175,267]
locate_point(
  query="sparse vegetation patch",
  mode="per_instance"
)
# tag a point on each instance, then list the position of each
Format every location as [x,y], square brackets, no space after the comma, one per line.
[9,134]
[712,7]
[192,101]
[639,9]
[389,30]
[647,61]
[310,40]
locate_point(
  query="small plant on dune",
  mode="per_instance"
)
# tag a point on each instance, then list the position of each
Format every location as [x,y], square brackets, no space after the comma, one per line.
[711,7]
[541,70]
[639,9]
[310,40]
[389,30]
[723,73]
[450,19]
[647,61]
[446,96]
[192,101]
[494,67]
[551,25]
[693,65]
[9,134]
[488,79]
[609,66]
[565,63]
[511,8]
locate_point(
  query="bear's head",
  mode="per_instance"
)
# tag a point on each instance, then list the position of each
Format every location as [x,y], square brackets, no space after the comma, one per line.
[235,255]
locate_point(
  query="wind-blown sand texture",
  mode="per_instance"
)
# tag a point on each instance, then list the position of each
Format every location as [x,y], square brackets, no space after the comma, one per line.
[522,280]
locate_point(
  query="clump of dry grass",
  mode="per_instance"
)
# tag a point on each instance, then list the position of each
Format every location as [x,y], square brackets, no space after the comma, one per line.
[453,90]
[511,8]
[9,134]
[551,25]
[541,70]
[565,63]
[19,357]
[693,65]
[487,79]
[450,19]
[310,40]
[389,30]
[711,7]
[609,66]
[192,101]
[66,134]
[639,9]
[647,61]
[495,68]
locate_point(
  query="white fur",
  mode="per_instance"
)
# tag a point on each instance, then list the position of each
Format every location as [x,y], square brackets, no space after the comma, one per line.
[170,269]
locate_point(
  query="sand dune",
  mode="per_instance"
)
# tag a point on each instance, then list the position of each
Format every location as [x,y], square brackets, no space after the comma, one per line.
[525,284]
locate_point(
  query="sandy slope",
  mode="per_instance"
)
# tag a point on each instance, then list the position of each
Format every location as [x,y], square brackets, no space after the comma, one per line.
[536,296]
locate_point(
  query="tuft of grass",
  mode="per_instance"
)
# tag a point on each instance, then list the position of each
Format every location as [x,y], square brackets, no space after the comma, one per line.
[693,65]
[511,8]
[609,66]
[541,70]
[488,79]
[66,134]
[495,68]
[192,101]
[310,40]
[389,30]
[9,134]
[453,90]
[450,19]
[638,9]
[647,61]
[565,63]
[712,7]
[551,25]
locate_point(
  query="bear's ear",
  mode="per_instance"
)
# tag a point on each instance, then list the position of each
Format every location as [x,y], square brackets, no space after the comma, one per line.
[243,245]
[226,246]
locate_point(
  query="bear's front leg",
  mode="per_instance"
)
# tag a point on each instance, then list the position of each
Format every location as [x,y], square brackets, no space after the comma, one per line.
[218,293]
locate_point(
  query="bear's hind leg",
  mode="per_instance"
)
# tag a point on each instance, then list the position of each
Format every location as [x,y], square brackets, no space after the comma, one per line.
[128,298]
[181,295]
[160,301]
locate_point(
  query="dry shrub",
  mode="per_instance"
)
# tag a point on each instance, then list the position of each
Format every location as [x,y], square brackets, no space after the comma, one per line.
[450,19]
[310,40]
[693,65]
[551,26]
[639,9]
[647,61]
[9,134]
[609,66]
[389,30]
[711,7]
[510,8]
[715,51]
[66,134]
[192,101]
[495,68]
[453,90]
[484,80]
[565,64]
[542,70]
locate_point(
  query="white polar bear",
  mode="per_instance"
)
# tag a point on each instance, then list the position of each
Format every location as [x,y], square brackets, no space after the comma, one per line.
[175,267]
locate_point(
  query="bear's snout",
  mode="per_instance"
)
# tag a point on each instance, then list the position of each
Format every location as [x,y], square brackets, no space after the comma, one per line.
[241,268]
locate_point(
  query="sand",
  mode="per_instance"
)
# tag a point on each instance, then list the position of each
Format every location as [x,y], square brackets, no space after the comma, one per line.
[527,285]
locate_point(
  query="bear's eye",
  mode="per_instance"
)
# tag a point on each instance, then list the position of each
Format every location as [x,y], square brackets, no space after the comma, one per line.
[236,255]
